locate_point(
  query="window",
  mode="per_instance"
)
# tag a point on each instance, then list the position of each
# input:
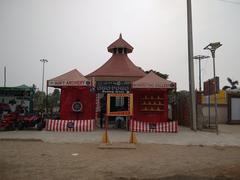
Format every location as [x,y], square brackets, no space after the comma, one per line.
[119,102]
[120,50]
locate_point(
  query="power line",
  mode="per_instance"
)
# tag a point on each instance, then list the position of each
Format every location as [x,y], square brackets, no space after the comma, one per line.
[231,2]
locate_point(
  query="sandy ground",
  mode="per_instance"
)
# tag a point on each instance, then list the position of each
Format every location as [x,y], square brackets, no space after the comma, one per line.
[42,160]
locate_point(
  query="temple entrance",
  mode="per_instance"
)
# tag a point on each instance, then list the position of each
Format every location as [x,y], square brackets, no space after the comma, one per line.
[117,107]
[118,104]
[117,122]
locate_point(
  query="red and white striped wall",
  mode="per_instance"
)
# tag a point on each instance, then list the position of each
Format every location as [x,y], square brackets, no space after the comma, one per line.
[70,125]
[140,126]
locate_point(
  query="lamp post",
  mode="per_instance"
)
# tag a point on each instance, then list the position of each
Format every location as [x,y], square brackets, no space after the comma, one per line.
[199,58]
[212,48]
[43,61]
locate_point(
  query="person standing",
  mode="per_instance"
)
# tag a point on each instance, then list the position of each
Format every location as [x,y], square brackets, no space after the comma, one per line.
[102,109]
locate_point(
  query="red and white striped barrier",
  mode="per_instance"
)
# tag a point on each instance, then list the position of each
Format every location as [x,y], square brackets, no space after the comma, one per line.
[140,126]
[70,125]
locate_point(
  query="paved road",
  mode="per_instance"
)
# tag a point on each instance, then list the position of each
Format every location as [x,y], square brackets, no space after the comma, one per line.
[229,136]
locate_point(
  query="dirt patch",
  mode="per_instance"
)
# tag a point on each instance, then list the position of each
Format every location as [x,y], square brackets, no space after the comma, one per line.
[39,160]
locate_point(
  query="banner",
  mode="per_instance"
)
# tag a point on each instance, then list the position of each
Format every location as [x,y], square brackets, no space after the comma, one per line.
[70,125]
[168,127]
[113,86]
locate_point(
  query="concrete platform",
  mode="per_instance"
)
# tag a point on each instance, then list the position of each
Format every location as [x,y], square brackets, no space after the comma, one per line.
[117,146]
[229,135]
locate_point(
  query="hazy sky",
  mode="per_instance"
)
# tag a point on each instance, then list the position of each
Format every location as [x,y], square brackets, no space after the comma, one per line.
[75,34]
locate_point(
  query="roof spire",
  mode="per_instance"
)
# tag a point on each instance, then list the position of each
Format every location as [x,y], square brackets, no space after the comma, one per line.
[120,43]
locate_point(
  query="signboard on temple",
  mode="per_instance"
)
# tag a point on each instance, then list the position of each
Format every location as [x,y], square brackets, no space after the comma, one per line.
[113,86]
[67,83]
[119,104]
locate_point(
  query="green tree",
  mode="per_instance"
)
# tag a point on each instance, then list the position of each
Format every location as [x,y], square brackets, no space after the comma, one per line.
[164,76]
[53,101]
[233,84]
[54,98]
[39,101]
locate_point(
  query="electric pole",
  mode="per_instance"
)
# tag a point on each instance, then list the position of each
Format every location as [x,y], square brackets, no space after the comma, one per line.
[193,113]
[199,58]
[5,76]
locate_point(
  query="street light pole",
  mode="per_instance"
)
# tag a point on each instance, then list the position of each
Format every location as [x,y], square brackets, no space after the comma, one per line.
[199,58]
[43,61]
[212,47]
[193,113]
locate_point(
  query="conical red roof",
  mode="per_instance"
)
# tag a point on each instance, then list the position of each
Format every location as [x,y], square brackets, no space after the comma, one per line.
[120,43]
[71,78]
[151,80]
[118,65]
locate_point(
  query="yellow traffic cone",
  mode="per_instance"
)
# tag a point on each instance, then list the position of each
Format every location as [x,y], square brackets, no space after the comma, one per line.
[133,138]
[105,138]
